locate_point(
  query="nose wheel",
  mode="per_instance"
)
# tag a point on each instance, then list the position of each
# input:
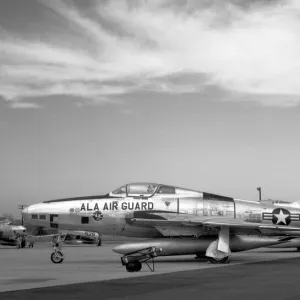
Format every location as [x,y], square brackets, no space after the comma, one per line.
[57,257]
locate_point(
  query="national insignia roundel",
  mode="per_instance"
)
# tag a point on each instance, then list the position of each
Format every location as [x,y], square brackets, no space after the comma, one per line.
[97,215]
[281,216]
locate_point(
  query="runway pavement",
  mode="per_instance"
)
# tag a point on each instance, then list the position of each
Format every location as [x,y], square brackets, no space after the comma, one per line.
[25,269]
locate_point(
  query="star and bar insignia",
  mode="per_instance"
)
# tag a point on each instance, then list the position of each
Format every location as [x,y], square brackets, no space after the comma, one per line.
[281,216]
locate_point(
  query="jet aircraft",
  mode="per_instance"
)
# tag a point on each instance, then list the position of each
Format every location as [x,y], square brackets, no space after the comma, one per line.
[177,221]
[69,237]
[12,235]
[9,236]
[82,237]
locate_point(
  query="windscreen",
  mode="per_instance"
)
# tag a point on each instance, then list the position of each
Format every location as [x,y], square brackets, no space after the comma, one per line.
[120,191]
[141,189]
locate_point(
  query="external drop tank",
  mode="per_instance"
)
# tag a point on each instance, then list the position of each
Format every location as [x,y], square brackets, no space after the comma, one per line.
[186,246]
[294,243]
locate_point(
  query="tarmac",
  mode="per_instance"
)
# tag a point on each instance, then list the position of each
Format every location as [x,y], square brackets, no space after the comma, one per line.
[90,271]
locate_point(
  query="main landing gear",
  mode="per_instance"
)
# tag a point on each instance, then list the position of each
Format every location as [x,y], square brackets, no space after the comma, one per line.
[218,251]
[133,261]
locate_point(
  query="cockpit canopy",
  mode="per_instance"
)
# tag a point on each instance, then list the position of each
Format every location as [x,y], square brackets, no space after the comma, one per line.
[146,189]
[136,189]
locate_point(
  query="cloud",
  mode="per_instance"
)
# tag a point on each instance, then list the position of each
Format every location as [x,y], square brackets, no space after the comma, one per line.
[118,47]
[23,105]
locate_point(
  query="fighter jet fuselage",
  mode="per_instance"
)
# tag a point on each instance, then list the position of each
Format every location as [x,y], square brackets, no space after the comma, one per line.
[114,214]
[216,223]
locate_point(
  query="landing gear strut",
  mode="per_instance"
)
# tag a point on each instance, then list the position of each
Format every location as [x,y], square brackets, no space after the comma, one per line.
[57,257]
[218,251]
[133,261]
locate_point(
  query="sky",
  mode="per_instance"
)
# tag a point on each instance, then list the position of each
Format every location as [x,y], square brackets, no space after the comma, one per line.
[199,94]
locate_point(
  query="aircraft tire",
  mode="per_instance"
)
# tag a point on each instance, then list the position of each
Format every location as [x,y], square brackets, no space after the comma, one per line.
[57,259]
[218,261]
[134,267]
[130,267]
[137,266]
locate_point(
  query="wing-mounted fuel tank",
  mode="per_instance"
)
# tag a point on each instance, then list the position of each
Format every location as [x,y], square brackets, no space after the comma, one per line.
[185,246]
[134,254]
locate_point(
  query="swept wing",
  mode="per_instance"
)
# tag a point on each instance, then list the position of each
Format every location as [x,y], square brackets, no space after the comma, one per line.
[211,223]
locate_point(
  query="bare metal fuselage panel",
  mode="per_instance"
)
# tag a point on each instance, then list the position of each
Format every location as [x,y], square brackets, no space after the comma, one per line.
[155,210]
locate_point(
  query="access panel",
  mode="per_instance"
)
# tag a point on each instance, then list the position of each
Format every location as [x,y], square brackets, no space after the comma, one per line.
[218,206]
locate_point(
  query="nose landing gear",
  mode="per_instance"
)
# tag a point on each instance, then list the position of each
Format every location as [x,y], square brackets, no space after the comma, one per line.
[57,256]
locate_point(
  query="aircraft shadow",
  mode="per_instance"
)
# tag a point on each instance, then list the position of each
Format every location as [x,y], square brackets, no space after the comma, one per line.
[172,260]
[7,248]
[279,251]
